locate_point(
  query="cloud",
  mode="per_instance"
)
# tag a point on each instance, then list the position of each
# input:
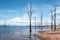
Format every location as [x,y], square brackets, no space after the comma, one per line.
[2,16]
[11,11]
[1,22]
[58,10]
[7,10]
[24,19]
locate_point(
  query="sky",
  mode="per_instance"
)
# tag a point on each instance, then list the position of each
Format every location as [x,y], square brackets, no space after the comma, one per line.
[14,12]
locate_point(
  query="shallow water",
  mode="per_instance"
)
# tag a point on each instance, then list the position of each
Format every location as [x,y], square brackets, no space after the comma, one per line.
[18,33]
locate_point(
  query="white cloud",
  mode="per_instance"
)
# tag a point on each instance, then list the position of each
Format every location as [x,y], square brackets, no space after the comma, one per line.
[11,11]
[58,10]
[24,19]
[1,22]
[7,10]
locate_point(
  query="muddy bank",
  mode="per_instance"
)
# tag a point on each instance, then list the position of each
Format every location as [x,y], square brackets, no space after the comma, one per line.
[49,35]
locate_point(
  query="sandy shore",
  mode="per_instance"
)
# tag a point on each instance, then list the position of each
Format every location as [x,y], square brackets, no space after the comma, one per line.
[49,35]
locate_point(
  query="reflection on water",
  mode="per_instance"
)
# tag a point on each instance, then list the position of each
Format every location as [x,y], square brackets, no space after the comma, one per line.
[17,33]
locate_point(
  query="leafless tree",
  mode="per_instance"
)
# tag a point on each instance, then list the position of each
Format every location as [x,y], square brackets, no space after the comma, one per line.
[4,23]
[41,21]
[30,16]
[55,18]
[51,20]
[35,24]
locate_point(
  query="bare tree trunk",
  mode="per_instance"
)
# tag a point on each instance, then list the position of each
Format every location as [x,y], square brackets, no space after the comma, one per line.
[51,20]
[35,24]
[55,18]
[30,19]
[4,23]
[30,27]
[30,16]
[41,21]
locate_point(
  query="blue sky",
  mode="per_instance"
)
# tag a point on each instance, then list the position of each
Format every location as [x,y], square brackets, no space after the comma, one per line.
[14,4]
[13,10]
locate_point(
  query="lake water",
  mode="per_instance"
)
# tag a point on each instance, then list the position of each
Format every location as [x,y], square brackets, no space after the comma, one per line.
[18,32]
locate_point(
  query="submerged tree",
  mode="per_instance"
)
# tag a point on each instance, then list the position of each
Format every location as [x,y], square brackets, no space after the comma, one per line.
[55,18]
[4,23]
[30,16]
[35,24]
[41,21]
[51,20]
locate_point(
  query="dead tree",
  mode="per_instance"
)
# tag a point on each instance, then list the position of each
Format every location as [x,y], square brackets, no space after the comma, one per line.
[41,21]
[51,20]
[30,16]
[55,18]
[35,24]
[4,23]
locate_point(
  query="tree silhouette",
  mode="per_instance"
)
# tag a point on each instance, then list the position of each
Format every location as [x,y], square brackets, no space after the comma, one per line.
[51,20]
[30,16]
[41,21]
[55,18]
[4,23]
[35,24]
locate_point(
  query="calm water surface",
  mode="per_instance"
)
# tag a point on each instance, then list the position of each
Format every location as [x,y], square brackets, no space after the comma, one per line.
[18,32]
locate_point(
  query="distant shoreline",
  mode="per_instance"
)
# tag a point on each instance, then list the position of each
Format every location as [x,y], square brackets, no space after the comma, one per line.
[32,26]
